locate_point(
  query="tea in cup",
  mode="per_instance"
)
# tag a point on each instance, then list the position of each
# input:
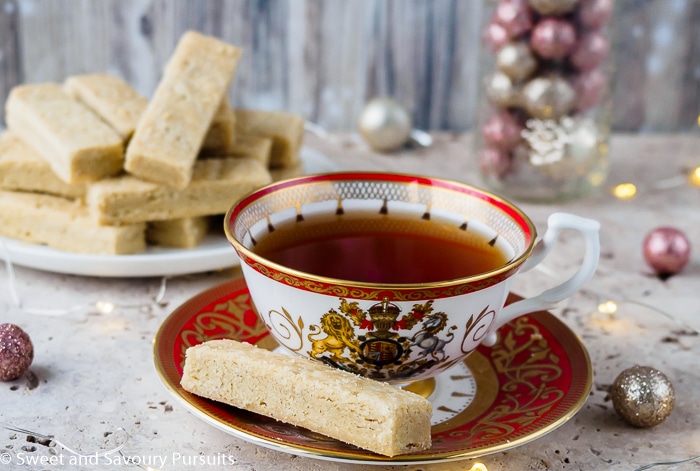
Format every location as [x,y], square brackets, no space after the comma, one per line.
[391,276]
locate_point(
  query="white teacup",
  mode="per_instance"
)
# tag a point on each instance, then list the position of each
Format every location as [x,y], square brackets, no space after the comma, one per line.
[385,310]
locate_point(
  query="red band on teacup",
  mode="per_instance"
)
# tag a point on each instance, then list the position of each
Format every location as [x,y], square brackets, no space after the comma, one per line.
[367,292]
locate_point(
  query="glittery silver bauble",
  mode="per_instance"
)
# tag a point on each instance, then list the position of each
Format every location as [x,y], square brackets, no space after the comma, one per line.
[385,124]
[516,60]
[548,97]
[16,352]
[501,91]
[643,396]
[553,7]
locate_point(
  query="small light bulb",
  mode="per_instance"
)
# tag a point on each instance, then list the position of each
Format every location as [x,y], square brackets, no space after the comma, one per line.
[105,307]
[479,467]
[694,177]
[608,307]
[625,190]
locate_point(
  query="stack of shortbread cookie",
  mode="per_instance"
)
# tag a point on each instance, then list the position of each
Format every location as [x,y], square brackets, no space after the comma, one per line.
[91,166]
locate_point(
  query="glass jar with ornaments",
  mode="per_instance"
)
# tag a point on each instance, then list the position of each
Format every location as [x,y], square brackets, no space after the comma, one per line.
[545,109]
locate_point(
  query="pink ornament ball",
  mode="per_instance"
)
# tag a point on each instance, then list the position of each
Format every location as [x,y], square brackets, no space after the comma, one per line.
[589,88]
[514,16]
[16,352]
[595,13]
[495,36]
[502,131]
[666,250]
[553,38]
[494,162]
[590,51]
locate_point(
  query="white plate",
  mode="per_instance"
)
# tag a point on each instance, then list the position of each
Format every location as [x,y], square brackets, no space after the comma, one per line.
[213,253]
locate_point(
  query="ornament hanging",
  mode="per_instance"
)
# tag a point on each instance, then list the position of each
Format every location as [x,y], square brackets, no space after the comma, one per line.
[16,352]
[643,396]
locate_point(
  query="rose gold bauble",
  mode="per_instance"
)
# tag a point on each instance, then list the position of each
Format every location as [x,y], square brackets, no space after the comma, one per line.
[516,60]
[594,14]
[590,51]
[495,35]
[514,15]
[502,131]
[589,88]
[666,250]
[553,38]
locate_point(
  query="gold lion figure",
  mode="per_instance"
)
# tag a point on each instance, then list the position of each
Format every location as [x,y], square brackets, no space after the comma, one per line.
[339,336]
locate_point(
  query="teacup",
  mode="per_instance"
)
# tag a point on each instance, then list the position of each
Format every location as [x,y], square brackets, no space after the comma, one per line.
[390,276]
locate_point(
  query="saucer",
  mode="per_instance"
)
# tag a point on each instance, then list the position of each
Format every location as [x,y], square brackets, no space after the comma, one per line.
[532,381]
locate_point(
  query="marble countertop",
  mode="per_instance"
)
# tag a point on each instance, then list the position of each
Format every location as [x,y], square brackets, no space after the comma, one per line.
[93,371]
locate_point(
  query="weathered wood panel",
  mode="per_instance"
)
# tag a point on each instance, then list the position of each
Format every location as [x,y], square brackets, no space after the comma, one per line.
[325,58]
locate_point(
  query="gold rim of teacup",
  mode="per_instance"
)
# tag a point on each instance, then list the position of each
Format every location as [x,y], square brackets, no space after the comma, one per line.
[504,271]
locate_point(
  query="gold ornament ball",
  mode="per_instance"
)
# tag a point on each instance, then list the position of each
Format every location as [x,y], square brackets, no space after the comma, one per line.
[501,91]
[553,7]
[385,124]
[516,60]
[643,396]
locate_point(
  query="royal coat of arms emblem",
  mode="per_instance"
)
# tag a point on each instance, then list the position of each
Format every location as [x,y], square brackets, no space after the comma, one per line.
[389,347]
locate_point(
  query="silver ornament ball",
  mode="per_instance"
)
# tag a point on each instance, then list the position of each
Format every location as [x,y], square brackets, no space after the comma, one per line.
[385,124]
[548,97]
[643,396]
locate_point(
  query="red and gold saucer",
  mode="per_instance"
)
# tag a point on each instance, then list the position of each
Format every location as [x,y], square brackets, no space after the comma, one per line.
[532,381]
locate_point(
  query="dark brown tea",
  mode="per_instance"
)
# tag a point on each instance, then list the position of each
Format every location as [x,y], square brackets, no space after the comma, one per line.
[382,249]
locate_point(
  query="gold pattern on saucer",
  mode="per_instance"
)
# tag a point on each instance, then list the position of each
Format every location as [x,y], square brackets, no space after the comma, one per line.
[527,404]
[227,317]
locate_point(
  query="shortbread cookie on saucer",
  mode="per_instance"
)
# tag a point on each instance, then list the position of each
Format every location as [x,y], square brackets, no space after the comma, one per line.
[363,412]
[183,233]
[111,98]
[23,169]
[78,145]
[170,134]
[285,129]
[216,184]
[65,225]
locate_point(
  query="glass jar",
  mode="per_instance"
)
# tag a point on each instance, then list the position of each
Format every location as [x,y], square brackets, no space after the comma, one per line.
[545,107]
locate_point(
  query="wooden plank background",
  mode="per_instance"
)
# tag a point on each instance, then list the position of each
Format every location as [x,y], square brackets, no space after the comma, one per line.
[325,58]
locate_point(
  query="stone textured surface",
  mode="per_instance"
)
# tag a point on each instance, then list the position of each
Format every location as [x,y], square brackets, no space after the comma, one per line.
[93,373]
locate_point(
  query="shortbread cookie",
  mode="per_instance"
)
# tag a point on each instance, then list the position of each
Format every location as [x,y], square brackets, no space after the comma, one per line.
[171,132]
[21,168]
[252,146]
[184,233]
[221,135]
[216,184]
[78,145]
[366,413]
[111,98]
[65,225]
[286,131]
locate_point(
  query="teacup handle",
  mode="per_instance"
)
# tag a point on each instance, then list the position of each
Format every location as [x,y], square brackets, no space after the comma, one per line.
[556,223]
